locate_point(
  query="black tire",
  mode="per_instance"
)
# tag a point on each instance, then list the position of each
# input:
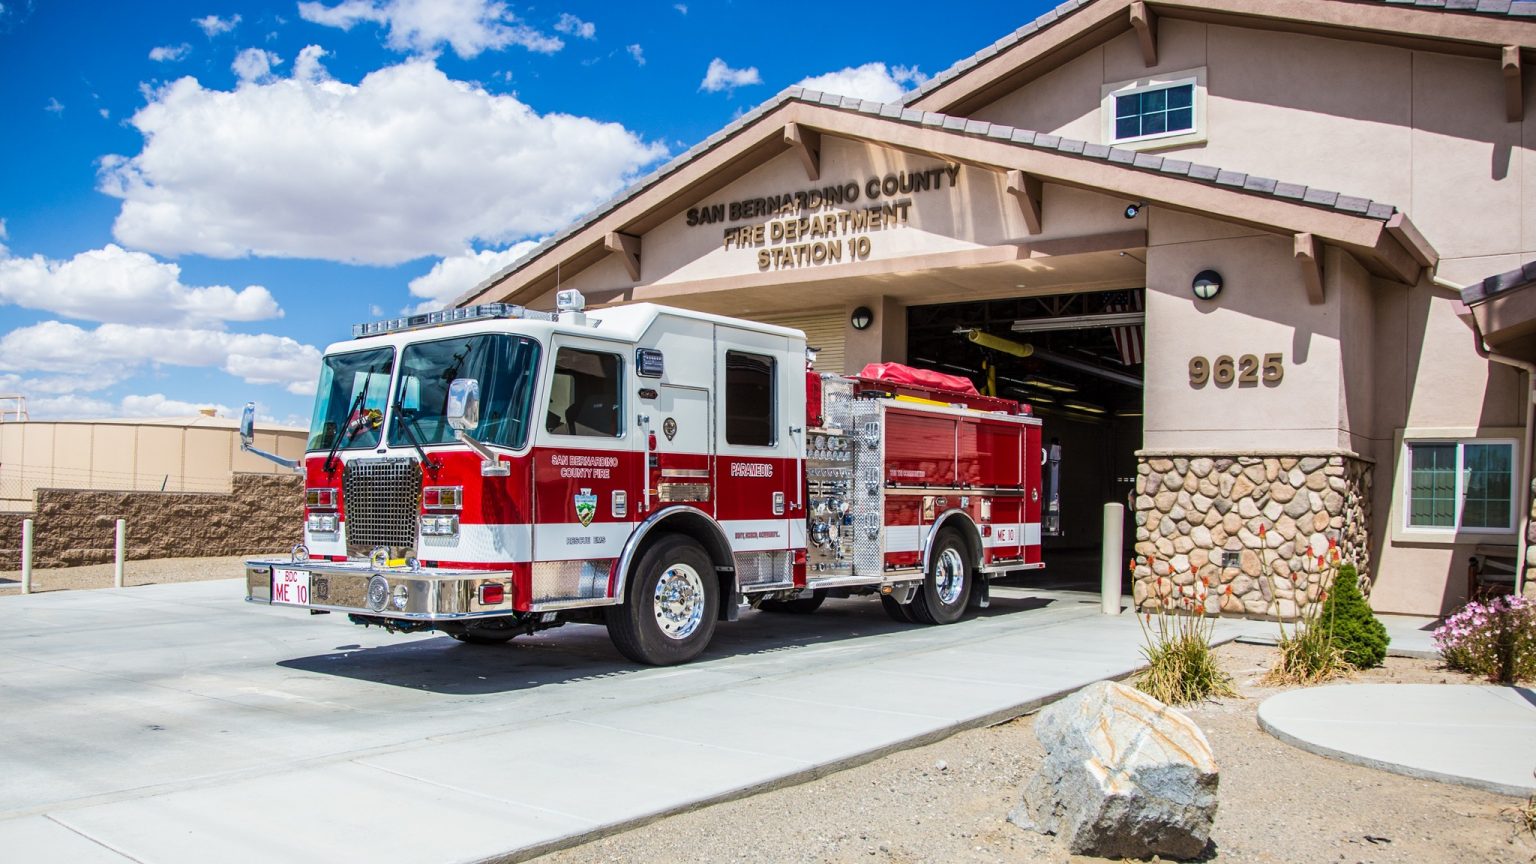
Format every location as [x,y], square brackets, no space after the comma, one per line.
[898,611]
[797,606]
[484,637]
[636,626]
[946,587]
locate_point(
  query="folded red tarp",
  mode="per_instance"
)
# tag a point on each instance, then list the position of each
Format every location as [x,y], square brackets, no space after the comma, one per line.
[896,373]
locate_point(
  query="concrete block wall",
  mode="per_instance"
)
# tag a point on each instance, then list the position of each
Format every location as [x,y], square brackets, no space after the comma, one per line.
[262,513]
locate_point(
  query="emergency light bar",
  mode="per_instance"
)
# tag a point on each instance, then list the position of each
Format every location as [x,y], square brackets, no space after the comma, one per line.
[479,312]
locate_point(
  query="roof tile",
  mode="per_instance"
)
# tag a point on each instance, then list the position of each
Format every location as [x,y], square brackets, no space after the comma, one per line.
[1320,196]
[1174,166]
[1023,136]
[1148,160]
[1049,142]
[977,127]
[1351,204]
[1121,156]
[1097,151]
[1381,211]
[1231,178]
[1290,190]
[1203,172]
[1071,145]
[1000,132]
[1260,184]
[954,124]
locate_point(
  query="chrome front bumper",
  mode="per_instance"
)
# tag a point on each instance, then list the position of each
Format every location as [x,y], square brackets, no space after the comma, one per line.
[427,595]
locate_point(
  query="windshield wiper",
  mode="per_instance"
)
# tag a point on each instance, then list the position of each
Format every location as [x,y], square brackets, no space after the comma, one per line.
[353,424]
[409,427]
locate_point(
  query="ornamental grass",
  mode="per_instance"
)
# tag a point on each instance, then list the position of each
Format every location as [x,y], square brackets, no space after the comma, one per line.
[1181,668]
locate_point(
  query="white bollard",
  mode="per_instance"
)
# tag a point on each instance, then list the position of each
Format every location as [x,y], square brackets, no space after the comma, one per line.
[1114,558]
[117,564]
[26,556]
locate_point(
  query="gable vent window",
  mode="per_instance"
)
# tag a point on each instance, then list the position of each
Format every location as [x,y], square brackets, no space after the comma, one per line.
[1155,112]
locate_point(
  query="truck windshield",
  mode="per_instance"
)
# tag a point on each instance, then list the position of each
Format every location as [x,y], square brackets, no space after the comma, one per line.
[355,384]
[504,365]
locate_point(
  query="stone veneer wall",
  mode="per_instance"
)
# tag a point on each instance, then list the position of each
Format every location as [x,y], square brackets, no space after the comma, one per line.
[1191,509]
[261,513]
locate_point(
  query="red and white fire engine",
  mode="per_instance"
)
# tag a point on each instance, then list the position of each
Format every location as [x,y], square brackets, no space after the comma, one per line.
[491,470]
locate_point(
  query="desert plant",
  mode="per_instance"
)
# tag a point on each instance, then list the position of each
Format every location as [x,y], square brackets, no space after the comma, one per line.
[1181,669]
[1494,638]
[1359,636]
[1308,650]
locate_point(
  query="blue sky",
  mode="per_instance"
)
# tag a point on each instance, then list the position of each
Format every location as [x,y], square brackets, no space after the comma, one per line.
[196,198]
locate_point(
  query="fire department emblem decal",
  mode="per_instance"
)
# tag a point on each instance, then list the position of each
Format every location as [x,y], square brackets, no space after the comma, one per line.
[669,428]
[586,506]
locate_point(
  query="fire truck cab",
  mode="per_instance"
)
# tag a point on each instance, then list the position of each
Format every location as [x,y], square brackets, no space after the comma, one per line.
[492,470]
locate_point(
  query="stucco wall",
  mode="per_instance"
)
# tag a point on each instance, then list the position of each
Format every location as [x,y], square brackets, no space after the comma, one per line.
[1421,130]
[262,513]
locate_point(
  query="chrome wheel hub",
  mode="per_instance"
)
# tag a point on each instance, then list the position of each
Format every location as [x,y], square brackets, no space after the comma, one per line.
[949,576]
[679,601]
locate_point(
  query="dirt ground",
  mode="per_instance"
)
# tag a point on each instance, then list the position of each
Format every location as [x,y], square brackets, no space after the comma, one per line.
[152,572]
[949,801]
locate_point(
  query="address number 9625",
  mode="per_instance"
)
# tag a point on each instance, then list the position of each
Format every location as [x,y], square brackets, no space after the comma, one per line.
[1246,370]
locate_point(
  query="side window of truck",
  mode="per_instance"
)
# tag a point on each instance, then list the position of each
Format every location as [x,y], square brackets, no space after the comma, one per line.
[749,403]
[584,396]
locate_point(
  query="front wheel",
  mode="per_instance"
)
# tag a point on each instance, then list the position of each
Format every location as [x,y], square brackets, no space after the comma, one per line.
[947,585]
[670,606]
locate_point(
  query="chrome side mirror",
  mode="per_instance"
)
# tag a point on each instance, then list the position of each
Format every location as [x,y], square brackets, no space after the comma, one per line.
[248,425]
[463,409]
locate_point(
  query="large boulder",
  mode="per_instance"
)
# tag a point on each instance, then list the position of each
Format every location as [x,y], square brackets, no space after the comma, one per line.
[1124,776]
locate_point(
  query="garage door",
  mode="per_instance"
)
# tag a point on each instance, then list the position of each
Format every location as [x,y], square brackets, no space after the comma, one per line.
[823,331]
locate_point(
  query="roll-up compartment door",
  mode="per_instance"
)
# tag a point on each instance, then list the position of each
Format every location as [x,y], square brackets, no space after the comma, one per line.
[823,331]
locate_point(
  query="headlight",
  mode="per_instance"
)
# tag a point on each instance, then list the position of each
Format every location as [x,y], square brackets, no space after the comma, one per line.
[321,523]
[439,526]
[400,597]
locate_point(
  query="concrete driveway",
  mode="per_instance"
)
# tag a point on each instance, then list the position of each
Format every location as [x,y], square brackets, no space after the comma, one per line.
[176,723]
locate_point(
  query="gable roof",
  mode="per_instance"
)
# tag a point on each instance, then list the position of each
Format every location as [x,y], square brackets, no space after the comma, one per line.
[1475,27]
[1379,231]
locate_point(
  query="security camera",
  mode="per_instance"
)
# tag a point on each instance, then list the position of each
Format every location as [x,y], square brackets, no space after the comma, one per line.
[1131,210]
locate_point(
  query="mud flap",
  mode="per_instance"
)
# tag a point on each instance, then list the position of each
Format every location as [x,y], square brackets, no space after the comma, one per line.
[981,593]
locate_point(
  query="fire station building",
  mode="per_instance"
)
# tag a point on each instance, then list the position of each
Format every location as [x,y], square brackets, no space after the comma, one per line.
[1256,263]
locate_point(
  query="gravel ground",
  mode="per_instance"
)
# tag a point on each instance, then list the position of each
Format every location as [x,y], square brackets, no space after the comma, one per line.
[949,802]
[150,572]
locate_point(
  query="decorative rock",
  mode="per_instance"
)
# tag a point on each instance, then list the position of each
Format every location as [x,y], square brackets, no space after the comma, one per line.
[1160,465]
[1249,460]
[1333,502]
[1249,539]
[1218,536]
[1286,550]
[1222,464]
[1226,484]
[1281,492]
[1201,536]
[1182,545]
[1200,502]
[1232,523]
[1199,559]
[1320,522]
[1296,477]
[1164,548]
[1167,527]
[1125,776]
[1222,505]
[1288,462]
[1242,487]
[1318,543]
[1337,484]
[1273,511]
[1310,464]
[1151,483]
[1181,465]
[1247,508]
[1191,482]
[1251,565]
[1213,518]
[1255,473]
[1256,606]
[1142,533]
[1200,467]
[1208,488]
[1141,518]
[1271,469]
[1298,507]
[1173,481]
[1144,549]
[1177,513]
[1182,575]
[1138,591]
[1164,501]
[1230,604]
[1317,482]
[1285,608]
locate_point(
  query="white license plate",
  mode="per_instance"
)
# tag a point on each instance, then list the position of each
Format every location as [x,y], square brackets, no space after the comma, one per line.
[290,587]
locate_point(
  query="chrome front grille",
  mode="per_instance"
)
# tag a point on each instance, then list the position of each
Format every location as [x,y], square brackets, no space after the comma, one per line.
[382,500]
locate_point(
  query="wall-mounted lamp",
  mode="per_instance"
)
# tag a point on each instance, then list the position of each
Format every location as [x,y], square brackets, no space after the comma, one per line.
[1133,210]
[1207,284]
[862,318]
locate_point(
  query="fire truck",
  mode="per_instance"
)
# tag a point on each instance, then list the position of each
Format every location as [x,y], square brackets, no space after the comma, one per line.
[490,471]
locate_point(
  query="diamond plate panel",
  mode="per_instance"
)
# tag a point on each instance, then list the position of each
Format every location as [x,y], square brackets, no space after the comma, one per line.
[763,568]
[867,498]
[554,581]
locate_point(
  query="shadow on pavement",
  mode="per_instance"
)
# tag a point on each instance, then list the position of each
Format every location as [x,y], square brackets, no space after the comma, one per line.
[583,652]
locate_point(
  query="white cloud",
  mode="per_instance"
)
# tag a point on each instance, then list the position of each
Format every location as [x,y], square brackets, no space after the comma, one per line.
[115,285]
[453,276]
[69,406]
[115,351]
[213,25]
[3,237]
[308,66]
[424,26]
[723,77]
[872,81]
[170,53]
[405,164]
[682,8]
[54,106]
[572,26]
[158,405]
[255,64]
[636,52]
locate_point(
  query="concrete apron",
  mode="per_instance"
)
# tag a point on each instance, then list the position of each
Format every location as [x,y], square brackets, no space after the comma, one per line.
[175,723]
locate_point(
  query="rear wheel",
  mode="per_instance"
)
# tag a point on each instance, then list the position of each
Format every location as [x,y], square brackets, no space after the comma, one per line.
[670,605]
[947,586]
[898,611]
[797,606]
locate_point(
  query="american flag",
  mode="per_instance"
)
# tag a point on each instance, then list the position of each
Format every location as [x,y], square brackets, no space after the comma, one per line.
[1128,337]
